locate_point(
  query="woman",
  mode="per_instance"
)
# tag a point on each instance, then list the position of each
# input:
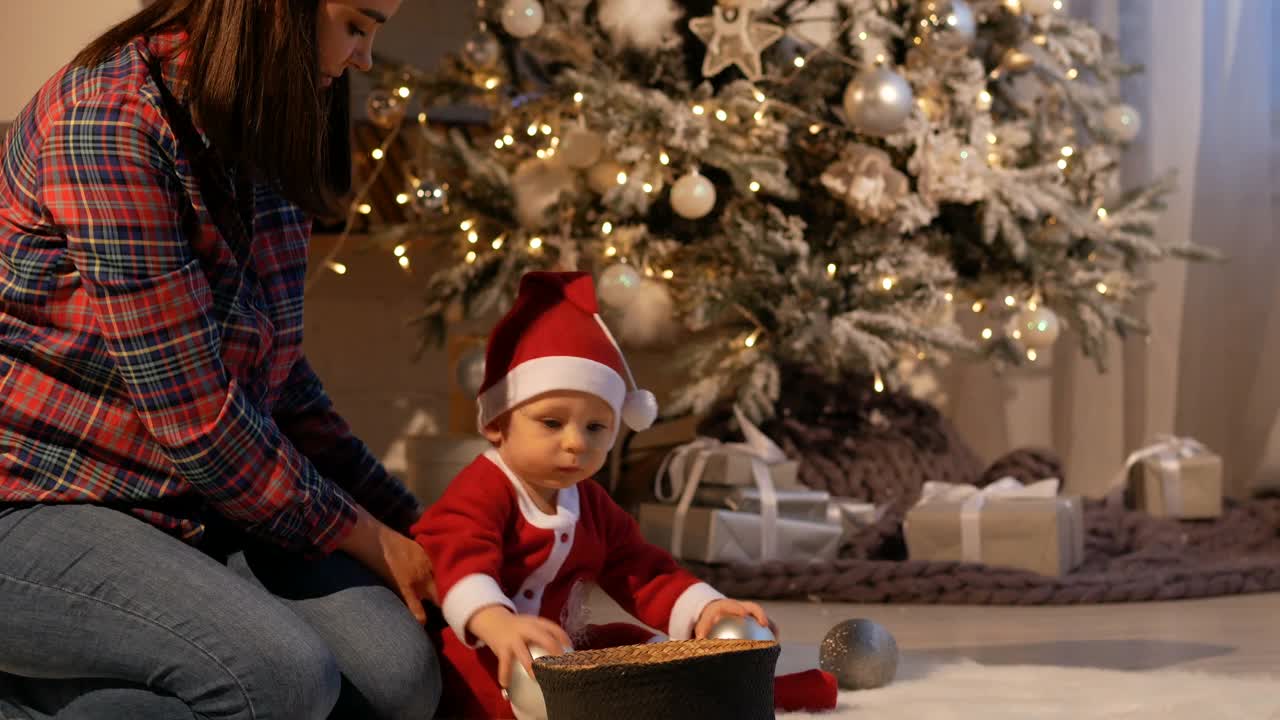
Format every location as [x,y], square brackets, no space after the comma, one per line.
[187,528]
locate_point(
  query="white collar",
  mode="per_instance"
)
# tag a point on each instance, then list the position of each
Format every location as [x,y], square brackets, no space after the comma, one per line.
[566,500]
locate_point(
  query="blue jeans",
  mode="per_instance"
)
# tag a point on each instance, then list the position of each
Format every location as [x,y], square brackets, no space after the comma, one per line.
[104,616]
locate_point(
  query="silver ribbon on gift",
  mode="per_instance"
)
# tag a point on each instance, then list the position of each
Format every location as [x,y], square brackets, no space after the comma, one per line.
[1168,451]
[972,499]
[684,467]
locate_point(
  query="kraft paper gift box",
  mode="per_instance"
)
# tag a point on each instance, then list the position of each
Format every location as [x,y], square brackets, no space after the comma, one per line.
[1006,524]
[717,535]
[1177,478]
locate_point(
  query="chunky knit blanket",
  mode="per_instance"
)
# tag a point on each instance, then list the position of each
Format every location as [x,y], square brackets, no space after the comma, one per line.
[883,447]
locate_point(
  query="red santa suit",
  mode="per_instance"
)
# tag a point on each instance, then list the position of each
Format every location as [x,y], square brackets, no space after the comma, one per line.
[491,545]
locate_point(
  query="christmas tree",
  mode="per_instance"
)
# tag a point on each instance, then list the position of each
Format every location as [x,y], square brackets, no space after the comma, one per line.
[826,184]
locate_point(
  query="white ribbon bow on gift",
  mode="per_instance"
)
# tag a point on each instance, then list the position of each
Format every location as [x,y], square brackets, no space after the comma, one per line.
[972,498]
[1169,451]
[757,448]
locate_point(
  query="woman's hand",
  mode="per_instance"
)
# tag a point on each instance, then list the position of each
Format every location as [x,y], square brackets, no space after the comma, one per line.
[719,609]
[401,563]
[509,636]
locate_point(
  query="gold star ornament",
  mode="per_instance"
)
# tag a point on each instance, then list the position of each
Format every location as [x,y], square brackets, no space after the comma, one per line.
[733,38]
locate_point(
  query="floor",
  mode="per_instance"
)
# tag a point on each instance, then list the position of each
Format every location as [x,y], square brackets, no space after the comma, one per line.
[1238,634]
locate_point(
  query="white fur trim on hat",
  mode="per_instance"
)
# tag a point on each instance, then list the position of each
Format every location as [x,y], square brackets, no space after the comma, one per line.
[541,375]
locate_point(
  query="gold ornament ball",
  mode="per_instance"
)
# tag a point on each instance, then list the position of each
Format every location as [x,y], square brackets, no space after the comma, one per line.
[580,148]
[430,197]
[1037,7]
[1038,329]
[603,176]
[693,196]
[522,18]
[1122,122]
[878,101]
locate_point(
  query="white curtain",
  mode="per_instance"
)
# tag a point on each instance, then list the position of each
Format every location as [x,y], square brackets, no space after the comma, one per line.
[1211,367]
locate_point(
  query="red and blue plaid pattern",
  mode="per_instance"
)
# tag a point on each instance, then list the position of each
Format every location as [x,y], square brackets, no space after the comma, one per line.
[142,365]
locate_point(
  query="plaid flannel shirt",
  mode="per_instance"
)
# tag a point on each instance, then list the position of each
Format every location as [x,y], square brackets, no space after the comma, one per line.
[141,365]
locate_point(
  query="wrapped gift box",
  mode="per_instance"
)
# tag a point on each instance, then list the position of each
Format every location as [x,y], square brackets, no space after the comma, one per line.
[713,535]
[796,504]
[1041,534]
[1180,479]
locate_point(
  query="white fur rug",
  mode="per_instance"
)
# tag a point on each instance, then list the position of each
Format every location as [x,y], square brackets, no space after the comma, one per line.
[967,690]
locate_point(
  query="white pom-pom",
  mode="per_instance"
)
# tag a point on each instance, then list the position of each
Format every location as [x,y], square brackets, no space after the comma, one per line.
[641,24]
[639,410]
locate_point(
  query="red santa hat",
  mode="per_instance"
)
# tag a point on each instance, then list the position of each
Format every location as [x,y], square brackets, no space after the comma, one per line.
[553,339]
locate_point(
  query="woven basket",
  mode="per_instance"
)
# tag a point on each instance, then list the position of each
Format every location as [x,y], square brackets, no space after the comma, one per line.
[695,679]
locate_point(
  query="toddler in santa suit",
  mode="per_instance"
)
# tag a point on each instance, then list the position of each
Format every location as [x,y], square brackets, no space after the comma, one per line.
[523,529]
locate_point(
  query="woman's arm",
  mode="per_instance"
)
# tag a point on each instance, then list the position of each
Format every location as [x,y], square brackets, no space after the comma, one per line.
[307,416]
[106,177]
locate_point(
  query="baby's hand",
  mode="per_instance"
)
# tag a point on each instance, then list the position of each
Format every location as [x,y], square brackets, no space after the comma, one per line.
[716,610]
[509,636]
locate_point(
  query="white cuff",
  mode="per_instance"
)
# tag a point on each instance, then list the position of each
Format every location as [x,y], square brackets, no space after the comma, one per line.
[469,595]
[688,608]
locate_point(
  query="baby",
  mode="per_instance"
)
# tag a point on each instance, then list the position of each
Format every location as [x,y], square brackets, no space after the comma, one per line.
[523,528]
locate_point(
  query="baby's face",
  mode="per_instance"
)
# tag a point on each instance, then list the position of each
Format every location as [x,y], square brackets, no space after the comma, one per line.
[557,439]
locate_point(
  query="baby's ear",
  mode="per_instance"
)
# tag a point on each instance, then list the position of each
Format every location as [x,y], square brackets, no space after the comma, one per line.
[494,431]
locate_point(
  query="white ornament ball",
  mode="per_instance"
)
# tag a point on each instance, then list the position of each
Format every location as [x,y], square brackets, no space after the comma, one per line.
[1038,7]
[740,628]
[1122,122]
[878,101]
[603,176]
[537,185]
[618,285]
[522,18]
[649,318]
[693,196]
[580,148]
[1037,329]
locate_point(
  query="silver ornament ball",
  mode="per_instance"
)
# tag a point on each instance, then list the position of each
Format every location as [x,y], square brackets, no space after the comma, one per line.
[1038,328]
[693,196]
[482,50]
[878,101]
[470,370]
[1122,122]
[947,25]
[384,108]
[860,653]
[430,197]
[524,692]
[740,628]
[522,18]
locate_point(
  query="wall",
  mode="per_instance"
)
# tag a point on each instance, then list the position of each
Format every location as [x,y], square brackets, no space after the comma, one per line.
[38,37]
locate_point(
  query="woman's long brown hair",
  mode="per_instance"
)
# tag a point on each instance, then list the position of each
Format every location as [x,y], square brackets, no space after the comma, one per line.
[252,77]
